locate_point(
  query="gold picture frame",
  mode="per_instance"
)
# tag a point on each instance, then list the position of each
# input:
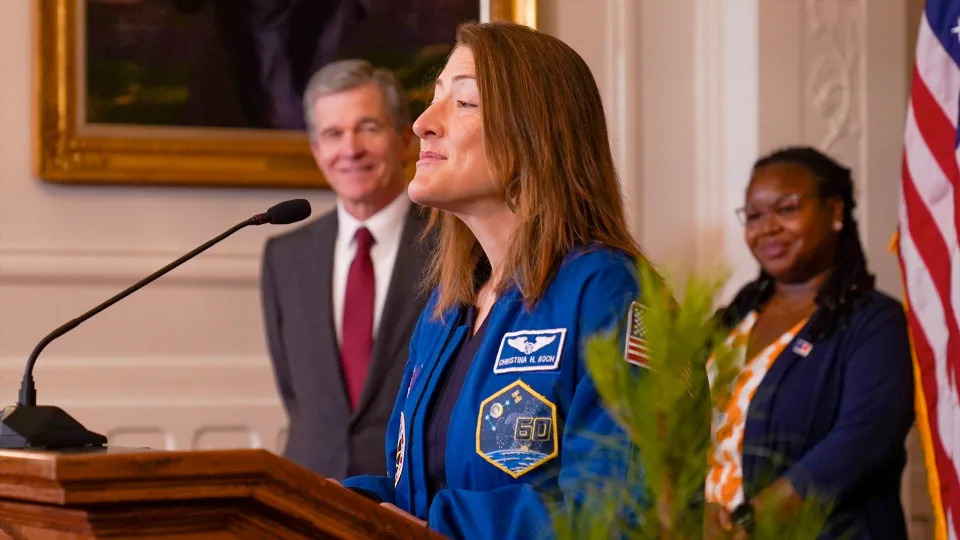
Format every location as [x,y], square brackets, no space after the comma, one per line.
[68,149]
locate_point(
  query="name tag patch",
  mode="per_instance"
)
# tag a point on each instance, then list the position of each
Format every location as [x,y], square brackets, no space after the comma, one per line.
[530,350]
[517,429]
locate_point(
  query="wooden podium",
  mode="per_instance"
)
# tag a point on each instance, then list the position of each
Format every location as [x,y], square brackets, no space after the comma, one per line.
[124,493]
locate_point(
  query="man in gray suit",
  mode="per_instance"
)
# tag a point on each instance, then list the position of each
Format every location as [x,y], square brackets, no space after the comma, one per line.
[342,294]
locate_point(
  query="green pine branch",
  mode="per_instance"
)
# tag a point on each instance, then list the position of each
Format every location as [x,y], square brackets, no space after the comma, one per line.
[666,410]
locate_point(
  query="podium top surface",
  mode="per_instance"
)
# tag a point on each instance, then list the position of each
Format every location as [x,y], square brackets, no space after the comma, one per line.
[133,463]
[88,479]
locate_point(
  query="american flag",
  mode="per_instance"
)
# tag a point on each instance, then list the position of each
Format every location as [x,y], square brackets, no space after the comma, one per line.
[636,348]
[929,254]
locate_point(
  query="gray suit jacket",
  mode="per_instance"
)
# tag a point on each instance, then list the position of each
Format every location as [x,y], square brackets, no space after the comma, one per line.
[324,435]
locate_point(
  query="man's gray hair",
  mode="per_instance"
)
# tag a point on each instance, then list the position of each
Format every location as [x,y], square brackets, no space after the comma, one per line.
[344,75]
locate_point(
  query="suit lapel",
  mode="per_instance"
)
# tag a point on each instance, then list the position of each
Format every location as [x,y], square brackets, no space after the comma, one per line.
[317,263]
[401,309]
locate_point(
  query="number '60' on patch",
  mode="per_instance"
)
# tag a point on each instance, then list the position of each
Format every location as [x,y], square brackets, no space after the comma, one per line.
[517,429]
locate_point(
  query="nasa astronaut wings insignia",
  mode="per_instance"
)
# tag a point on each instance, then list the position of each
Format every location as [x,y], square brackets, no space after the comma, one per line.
[517,429]
[530,350]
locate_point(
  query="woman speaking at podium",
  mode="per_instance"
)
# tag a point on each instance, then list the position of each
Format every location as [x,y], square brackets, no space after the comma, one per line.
[497,414]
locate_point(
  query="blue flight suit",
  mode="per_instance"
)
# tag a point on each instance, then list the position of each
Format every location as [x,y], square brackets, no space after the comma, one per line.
[527,424]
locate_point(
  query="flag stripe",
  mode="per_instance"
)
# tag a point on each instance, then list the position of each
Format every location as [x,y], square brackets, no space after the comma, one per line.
[934,188]
[930,335]
[924,179]
[937,134]
[937,131]
[926,398]
[943,84]
[931,166]
[934,252]
[929,253]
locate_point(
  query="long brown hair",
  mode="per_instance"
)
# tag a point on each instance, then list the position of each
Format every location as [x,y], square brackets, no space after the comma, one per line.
[545,139]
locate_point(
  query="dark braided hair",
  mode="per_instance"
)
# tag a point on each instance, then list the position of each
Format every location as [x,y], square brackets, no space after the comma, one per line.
[849,281]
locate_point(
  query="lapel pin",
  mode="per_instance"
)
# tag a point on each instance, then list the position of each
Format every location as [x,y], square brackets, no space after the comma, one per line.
[803,347]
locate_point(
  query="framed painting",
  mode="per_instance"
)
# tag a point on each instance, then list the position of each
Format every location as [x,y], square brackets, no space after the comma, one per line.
[208,92]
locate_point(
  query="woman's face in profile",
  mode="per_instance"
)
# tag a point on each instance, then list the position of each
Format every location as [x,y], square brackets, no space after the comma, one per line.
[787,225]
[452,172]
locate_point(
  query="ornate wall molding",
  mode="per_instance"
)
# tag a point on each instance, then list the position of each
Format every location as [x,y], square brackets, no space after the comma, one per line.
[64,266]
[834,49]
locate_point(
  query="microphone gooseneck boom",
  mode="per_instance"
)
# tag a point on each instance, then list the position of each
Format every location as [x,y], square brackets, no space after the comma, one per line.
[54,419]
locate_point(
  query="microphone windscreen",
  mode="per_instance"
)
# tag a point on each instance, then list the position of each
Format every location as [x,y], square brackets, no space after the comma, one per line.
[290,211]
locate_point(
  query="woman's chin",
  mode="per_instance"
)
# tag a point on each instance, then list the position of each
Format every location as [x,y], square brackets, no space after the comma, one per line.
[423,196]
[423,192]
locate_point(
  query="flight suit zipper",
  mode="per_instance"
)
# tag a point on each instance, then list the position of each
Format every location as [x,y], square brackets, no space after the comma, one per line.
[414,417]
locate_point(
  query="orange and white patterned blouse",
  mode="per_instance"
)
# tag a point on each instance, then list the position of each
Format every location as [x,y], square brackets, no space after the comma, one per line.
[725,473]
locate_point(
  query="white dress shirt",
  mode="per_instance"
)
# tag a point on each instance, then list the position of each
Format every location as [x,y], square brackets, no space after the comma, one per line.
[386,226]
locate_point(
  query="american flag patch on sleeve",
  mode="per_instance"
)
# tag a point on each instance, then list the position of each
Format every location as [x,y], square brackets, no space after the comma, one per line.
[635,351]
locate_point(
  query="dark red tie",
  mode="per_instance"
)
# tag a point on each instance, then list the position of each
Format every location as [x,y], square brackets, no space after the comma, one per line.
[357,340]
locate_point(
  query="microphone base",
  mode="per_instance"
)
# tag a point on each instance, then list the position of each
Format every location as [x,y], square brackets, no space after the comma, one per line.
[45,426]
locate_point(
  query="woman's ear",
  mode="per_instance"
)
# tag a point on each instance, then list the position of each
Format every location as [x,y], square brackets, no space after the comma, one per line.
[835,207]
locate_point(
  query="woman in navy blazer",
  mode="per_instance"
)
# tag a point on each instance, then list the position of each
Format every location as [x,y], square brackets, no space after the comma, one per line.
[830,412]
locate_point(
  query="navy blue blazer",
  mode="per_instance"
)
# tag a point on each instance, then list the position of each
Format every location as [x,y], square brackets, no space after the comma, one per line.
[834,421]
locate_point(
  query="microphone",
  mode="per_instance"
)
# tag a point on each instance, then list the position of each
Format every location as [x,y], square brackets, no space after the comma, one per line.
[284,213]
[26,425]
